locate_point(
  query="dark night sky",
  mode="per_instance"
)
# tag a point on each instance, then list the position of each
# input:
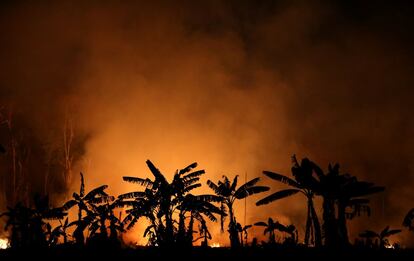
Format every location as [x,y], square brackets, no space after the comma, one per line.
[236,85]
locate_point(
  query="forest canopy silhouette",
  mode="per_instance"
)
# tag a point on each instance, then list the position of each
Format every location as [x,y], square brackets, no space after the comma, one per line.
[172,211]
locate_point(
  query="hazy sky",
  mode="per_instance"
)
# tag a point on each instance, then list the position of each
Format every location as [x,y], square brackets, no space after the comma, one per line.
[238,86]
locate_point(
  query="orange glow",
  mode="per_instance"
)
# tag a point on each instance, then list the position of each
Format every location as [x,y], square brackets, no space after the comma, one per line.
[161,81]
[214,245]
[4,243]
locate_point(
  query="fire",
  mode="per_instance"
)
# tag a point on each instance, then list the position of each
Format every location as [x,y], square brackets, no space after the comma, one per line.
[215,245]
[4,243]
[391,246]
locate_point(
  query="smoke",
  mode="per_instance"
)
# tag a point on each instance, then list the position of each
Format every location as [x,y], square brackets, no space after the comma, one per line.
[237,86]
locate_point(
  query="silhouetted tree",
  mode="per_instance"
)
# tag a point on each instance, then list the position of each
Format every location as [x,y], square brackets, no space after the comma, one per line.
[28,228]
[243,234]
[161,200]
[104,214]
[270,228]
[84,201]
[340,191]
[382,237]
[57,232]
[230,193]
[204,233]
[304,183]
[197,207]
[292,239]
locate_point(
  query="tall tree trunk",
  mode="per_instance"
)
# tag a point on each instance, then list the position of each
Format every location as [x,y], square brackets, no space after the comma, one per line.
[272,237]
[78,234]
[102,229]
[68,136]
[189,237]
[308,224]
[342,229]
[169,227]
[316,224]
[329,225]
[181,235]
[234,235]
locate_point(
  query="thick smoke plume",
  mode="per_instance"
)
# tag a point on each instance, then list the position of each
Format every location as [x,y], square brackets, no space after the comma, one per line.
[238,86]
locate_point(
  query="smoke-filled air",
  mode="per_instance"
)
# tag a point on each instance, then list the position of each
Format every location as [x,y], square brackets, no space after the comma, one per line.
[239,87]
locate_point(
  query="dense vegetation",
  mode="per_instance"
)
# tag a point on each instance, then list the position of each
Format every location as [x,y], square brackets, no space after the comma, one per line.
[178,218]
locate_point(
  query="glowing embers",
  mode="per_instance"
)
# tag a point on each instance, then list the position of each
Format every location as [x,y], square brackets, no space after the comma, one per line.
[4,243]
[214,245]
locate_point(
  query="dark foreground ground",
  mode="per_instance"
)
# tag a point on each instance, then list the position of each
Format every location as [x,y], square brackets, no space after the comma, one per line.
[213,254]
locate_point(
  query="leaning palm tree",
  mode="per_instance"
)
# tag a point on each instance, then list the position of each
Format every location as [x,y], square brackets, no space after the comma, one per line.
[409,220]
[230,193]
[303,182]
[382,236]
[84,201]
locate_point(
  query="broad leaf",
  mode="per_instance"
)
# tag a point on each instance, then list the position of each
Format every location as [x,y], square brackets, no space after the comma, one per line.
[282,178]
[276,196]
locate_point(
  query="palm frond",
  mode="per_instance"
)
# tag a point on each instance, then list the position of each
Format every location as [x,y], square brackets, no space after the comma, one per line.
[393,232]
[317,170]
[209,198]
[191,187]
[140,181]
[148,229]
[156,172]
[250,191]
[276,196]
[68,205]
[194,174]
[191,181]
[96,191]
[246,185]
[260,224]
[282,178]
[54,214]
[210,216]
[246,227]
[132,195]
[214,187]
[234,183]
[101,199]
[188,168]
[132,223]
